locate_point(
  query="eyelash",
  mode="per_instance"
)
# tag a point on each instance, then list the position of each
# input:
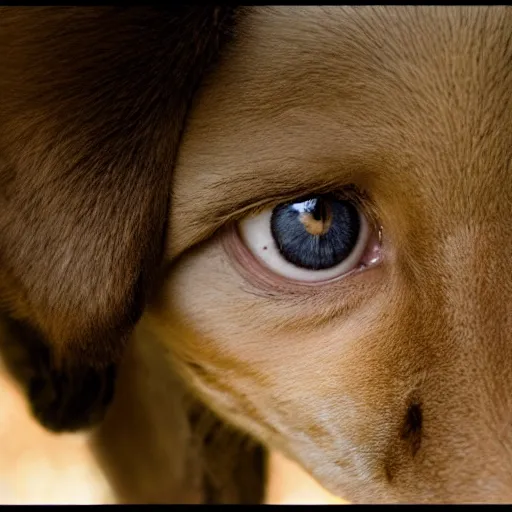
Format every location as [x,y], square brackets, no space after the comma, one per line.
[352,193]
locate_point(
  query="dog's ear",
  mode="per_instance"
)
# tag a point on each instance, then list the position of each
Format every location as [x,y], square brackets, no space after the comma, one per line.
[92,105]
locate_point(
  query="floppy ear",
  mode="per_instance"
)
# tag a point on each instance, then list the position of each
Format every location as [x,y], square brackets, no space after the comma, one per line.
[92,106]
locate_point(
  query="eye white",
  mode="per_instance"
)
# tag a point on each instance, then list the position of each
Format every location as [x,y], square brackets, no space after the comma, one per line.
[256,233]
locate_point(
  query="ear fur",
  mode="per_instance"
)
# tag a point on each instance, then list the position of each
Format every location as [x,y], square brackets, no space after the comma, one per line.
[92,105]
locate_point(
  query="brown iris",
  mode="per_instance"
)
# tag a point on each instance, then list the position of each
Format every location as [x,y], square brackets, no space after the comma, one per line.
[318,220]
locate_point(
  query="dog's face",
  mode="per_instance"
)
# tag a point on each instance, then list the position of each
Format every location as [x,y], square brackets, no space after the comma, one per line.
[385,366]
[338,240]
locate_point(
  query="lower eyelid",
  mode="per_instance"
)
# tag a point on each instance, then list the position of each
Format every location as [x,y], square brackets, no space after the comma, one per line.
[255,272]
[249,266]
[297,306]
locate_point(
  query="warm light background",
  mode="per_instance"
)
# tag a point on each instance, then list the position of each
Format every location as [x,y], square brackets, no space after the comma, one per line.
[289,485]
[37,467]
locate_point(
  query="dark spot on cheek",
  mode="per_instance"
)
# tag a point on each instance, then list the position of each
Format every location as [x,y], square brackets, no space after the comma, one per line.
[265,248]
[389,472]
[413,423]
[409,441]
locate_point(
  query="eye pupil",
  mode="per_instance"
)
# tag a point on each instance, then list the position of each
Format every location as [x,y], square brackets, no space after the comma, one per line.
[320,209]
[317,233]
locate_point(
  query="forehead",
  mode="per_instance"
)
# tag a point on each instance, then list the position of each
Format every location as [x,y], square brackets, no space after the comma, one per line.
[307,95]
[308,55]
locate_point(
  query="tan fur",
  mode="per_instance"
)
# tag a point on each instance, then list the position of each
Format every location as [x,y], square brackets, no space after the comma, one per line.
[392,385]
[414,105]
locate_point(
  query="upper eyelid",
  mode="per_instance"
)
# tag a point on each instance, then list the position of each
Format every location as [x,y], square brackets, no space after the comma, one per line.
[215,218]
[348,192]
[265,200]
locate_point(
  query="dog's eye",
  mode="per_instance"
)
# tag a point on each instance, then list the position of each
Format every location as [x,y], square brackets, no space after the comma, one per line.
[314,239]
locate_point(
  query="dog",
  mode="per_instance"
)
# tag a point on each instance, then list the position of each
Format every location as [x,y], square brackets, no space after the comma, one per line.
[297,216]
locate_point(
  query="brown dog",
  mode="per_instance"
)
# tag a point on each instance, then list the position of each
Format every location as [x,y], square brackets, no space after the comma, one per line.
[335,280]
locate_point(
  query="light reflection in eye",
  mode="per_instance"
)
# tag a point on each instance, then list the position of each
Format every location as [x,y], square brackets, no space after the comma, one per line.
[304,206]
